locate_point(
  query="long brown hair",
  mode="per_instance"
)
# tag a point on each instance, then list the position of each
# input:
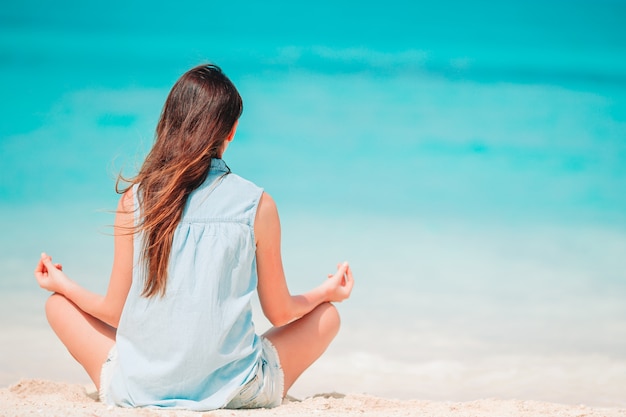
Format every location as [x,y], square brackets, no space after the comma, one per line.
[200,112]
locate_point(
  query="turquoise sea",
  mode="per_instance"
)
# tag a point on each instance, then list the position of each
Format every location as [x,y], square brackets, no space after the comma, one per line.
[468,159]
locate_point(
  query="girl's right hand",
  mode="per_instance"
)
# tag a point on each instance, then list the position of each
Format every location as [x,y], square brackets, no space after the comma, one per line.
[339,285]
[50,276]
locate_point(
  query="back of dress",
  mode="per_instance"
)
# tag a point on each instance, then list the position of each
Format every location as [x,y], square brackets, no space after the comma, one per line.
[195,347]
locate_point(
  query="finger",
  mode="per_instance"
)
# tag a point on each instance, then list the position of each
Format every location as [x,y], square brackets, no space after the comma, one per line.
[339,273]
[40,269]
[44,256]
[349,271]
[59,267]
[349,276]
[47,261]
[349,280]
[343,270]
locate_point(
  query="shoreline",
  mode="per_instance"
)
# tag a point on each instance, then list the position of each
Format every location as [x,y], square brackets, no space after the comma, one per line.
[50,398]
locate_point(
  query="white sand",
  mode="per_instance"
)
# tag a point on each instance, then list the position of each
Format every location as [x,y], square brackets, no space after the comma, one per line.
[34,397]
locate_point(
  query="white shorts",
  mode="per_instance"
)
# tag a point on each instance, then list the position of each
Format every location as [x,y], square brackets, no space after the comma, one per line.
[265,389]
[106,375]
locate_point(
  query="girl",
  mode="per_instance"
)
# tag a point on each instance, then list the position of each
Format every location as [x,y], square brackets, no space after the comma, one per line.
[193,241]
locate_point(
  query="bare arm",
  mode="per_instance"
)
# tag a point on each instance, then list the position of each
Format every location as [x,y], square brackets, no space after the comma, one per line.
[279,306]
[107,308]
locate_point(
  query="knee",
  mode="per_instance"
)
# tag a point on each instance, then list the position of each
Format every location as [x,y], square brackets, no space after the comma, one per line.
[55,305]
[330,320]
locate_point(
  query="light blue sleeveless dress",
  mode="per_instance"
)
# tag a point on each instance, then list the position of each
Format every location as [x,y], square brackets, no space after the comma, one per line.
[195,347]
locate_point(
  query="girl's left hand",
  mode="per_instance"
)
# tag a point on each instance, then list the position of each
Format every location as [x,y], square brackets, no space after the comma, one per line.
[50,276]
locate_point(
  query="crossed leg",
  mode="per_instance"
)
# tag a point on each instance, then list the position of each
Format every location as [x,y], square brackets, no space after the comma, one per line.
[88,339]
[302,342]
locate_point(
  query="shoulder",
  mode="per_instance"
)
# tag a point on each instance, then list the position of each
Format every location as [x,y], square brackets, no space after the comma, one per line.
[241,182]
[267,222]
[125,209]
[267,206]
[240,191]
[127,201]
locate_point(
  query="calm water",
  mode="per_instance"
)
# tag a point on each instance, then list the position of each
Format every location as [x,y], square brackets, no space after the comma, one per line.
[468,159]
